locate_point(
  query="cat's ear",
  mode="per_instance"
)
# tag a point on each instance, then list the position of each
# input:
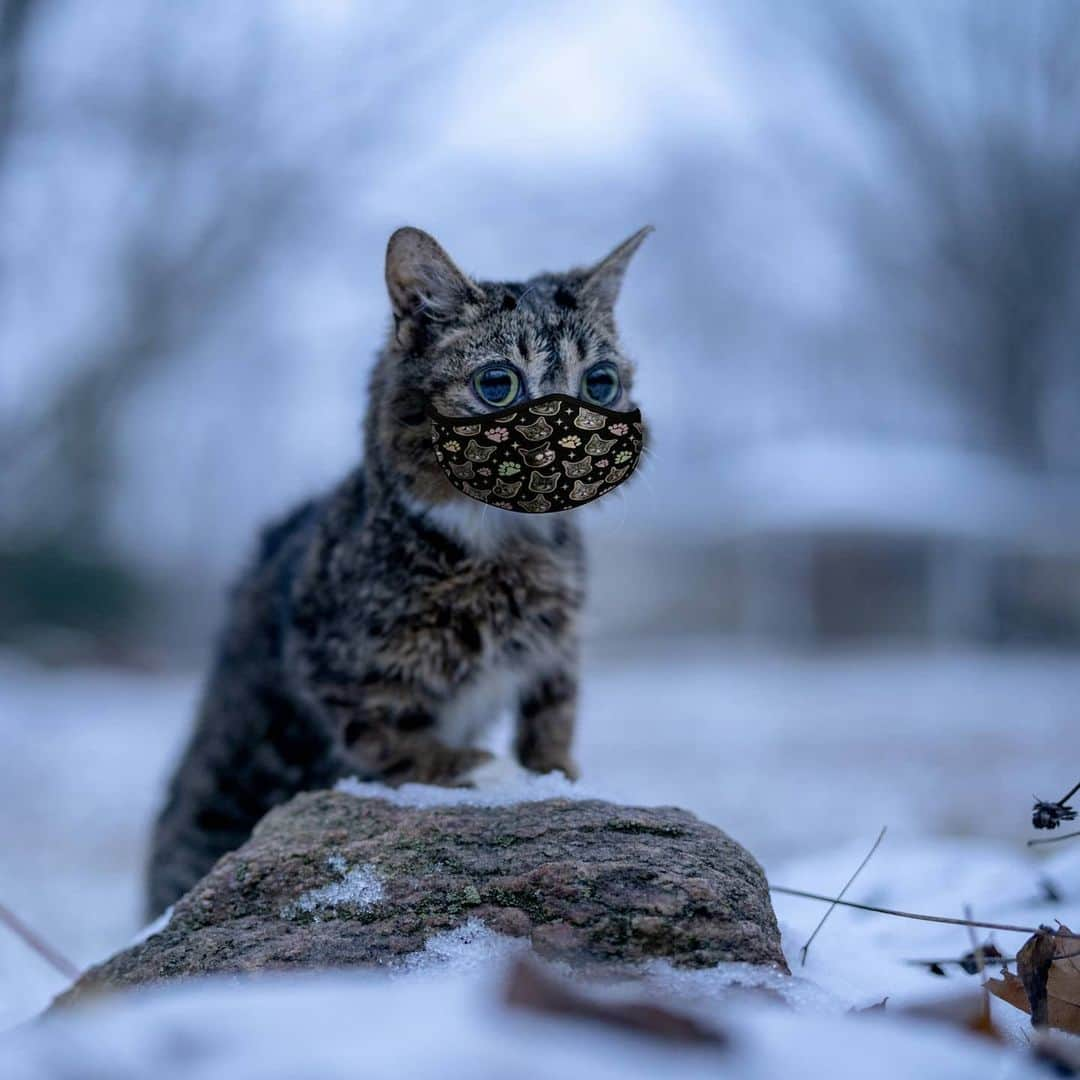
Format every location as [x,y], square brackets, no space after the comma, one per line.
[422,279]
[603,281]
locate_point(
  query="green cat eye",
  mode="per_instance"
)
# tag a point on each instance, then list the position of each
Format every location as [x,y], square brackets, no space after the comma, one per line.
[600,384]
[497,385]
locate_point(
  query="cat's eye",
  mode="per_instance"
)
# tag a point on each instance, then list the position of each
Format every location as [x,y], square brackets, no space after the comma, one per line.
[497,385]
[600,384]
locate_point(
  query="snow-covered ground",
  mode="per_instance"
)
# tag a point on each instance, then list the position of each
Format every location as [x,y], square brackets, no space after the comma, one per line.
[802,758]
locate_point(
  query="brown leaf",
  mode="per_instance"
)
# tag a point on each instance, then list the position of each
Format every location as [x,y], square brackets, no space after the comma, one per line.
[530,987]
[969,1010]
[1048,982]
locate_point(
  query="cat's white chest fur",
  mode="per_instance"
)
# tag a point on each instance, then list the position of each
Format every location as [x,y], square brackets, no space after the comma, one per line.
[475,710]
[482,530]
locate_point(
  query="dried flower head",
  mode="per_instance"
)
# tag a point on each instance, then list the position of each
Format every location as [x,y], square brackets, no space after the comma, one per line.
[1049,815]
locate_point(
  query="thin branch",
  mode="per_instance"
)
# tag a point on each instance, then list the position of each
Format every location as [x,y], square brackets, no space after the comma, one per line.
[957,962]
[50,955]
[1065,798]
[832,907]
[1053,839]
[960,962]
[1007,927]
[977,950]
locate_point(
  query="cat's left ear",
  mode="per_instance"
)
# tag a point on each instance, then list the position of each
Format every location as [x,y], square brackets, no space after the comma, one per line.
[603,281]
[423,280]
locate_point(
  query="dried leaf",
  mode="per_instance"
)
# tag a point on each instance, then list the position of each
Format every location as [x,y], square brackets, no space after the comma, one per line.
[1047,985]
[529,987]
[969,1010]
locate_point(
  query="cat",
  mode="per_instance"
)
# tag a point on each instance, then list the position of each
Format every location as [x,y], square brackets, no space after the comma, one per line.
[383,626]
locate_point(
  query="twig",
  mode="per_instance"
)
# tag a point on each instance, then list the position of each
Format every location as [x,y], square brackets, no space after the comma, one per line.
[985,1021]
[976,948]
[832,907]
[50,955]
[954,961]
[1053,839]
[1065,798]
[1008,927]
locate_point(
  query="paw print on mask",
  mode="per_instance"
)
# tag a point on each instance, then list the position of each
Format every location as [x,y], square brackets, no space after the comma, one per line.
[453,446]
[603,463]
[509,468]
[622,455]
[498,434]
[618,429]
[571,442]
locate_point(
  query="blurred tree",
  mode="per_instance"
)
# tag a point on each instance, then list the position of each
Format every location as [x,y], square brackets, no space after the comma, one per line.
[15,20]
[212,140]
[958,197]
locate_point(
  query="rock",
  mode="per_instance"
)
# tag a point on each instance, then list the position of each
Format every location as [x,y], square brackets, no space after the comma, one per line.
[331,880]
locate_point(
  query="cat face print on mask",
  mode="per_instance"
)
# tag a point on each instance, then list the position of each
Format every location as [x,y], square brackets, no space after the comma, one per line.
[537,457]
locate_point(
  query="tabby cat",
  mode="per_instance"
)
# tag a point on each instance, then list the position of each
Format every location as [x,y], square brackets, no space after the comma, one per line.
[385,625]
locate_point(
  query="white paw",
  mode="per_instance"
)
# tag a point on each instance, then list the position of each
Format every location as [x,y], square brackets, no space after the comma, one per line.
[499,772]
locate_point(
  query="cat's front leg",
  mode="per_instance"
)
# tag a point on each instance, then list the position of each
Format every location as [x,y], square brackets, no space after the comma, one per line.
[547,711]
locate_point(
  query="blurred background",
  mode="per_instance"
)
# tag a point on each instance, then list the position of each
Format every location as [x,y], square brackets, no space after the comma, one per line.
[849,575]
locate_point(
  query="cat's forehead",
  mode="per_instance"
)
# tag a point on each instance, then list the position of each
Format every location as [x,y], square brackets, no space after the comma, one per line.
[542,295]
[522,320]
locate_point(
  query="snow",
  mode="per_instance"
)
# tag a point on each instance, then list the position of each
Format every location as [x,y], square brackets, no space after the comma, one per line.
[450,1024]
[159,924]
[494,787]
[359,888]
[471,947]
[861,957]
[802,757]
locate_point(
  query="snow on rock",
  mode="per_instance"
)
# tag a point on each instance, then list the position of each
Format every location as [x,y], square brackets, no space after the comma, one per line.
[365,882]
[494,785]
[359,888]
[469,947]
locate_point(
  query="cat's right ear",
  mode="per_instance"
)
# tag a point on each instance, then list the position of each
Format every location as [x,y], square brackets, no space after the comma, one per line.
[422,279]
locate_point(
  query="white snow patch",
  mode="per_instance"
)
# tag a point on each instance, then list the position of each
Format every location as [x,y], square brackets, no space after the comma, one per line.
[703,989]
[495,785]
[470,947]
[359,888]
[153,928]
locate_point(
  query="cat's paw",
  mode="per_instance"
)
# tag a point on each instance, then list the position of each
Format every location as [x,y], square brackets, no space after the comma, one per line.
[496,773]
[554,763]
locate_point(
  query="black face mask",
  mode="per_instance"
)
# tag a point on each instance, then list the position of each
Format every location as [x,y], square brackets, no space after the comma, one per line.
[552,453]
